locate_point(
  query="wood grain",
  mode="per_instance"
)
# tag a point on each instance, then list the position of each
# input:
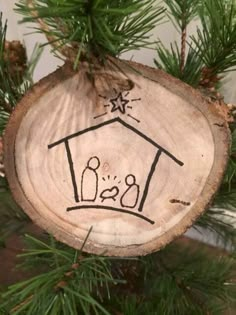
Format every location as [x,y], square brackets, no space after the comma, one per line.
[138,165]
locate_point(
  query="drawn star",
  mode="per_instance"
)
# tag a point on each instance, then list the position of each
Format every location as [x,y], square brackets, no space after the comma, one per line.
[119,103]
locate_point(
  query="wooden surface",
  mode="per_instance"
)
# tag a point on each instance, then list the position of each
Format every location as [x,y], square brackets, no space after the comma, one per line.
[136,163]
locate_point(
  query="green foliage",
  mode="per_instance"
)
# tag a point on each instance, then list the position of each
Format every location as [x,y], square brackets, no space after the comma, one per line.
[220,218]
[226,197]
[9,88]
[129,305]
[13,89]
[5,80]
[170,62]
[168,282]
[180,62]
[70,283]
[221,223]
[230,178]
[178,285]
[216,40]
[98,27]
[180,280]
[4,116]
[176,280]
[12,218]
[182,12]
[209,54]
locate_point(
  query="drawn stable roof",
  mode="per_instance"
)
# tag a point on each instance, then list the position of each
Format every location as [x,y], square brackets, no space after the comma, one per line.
[160,151]
[128,126]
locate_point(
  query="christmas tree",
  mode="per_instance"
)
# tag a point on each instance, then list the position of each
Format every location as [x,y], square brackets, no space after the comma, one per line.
[178,279]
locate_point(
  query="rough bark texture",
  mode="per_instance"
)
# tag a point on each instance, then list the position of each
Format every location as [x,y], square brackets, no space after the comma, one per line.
[136,162]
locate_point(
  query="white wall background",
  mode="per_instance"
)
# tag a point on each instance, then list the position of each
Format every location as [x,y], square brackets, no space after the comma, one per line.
[48,63]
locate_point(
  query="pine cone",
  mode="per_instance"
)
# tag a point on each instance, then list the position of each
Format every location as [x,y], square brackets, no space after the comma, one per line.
[15,55]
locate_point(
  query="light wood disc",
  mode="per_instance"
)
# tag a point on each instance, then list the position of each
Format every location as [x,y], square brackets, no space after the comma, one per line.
[137,164]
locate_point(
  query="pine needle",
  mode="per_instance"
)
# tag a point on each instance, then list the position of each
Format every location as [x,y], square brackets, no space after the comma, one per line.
[91,30]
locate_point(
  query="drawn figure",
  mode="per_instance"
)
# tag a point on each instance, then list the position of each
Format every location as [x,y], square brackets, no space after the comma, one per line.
[130,197]
[89,180]
[111,193]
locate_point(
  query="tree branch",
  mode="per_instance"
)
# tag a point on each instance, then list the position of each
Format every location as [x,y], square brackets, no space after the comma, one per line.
[6,107]
[183,48]
[65,51]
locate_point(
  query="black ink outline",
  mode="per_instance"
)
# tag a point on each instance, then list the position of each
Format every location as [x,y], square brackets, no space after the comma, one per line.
[130,116]
[119,104]
[95,173]
[127,190]
[99,116]
[72,171]
[104,97]
[128,126]
[184,203]
[112,209]
[152,170]
[110,197]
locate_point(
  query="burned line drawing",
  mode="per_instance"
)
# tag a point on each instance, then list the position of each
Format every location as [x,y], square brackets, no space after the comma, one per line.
[89,180]
[103,195]
[130,197]
[110,193]
[119,103]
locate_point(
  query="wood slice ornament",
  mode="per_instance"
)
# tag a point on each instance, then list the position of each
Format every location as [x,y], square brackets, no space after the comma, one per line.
[136,163]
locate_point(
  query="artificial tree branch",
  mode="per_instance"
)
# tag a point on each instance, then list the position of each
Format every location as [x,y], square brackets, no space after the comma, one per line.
[91,30]
[20,305]
[6,107]
[65,51]
[183,47]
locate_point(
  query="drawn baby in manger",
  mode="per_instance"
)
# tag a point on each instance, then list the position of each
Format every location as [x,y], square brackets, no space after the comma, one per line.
[90,187]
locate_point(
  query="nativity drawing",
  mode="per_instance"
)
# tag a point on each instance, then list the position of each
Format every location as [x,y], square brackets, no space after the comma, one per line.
[90,187]
[122,192]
